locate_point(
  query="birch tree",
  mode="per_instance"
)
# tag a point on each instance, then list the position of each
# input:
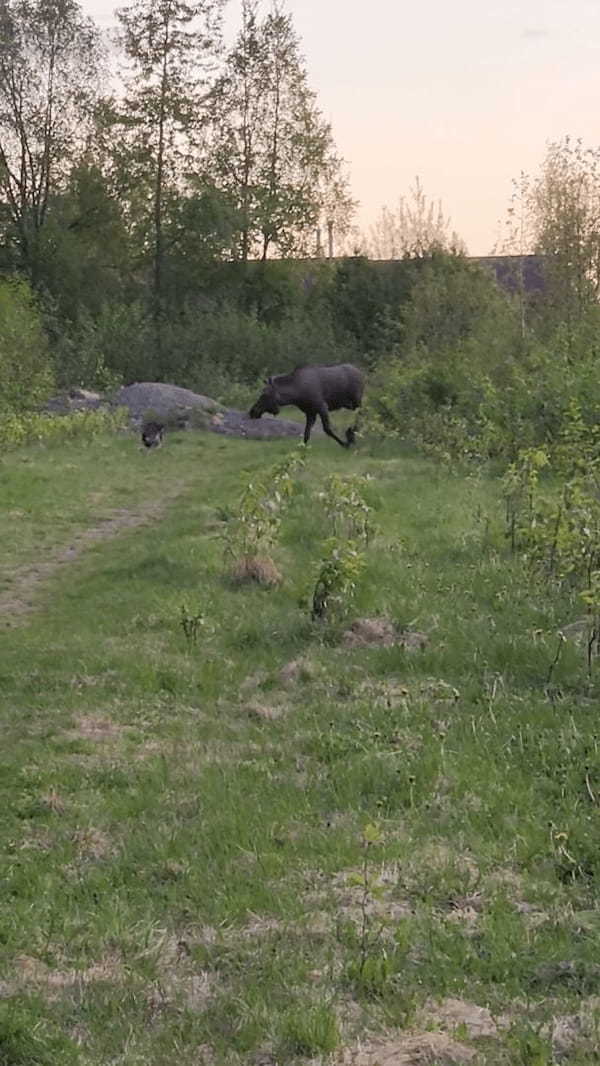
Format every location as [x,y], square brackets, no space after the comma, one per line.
[565,205]
[50,63]
[271,147]
[415,228]
[171,47]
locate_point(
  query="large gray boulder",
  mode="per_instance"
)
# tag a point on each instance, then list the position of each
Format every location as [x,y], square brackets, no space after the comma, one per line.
[166,401]
[178,408]
[232,423]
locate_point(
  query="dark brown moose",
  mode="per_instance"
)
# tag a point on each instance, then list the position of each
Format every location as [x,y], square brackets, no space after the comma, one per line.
[316,390]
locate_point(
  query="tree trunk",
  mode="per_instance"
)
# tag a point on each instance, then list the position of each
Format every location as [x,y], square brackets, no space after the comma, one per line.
[158,191]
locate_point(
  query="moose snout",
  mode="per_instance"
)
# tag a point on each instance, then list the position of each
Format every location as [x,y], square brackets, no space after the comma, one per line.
[255,412]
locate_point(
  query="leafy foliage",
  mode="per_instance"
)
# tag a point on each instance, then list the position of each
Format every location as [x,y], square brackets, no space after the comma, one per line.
[25,364]
[341,566]
[254,529]
[50,65]
[343,555]
[17,430]
[416,227]
[271,148]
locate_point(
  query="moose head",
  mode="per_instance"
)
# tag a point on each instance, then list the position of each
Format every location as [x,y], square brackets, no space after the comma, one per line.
[268,401]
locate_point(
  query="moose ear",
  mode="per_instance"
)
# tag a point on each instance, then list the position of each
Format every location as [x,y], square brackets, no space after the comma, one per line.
[269,381]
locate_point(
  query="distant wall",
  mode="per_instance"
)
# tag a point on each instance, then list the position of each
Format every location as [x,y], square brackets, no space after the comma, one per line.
[510,271]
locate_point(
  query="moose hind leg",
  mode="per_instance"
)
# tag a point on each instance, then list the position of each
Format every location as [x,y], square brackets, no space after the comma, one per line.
[324,415]
[353,430]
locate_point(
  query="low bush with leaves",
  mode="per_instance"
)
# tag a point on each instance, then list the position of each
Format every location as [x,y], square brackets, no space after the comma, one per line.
[254,529]
[21,429]
[26,375]
[341,566]
[343,557]
[555,524]
[346,507]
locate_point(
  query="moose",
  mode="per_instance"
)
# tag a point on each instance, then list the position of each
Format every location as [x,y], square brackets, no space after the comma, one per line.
[316,390]
[152,434]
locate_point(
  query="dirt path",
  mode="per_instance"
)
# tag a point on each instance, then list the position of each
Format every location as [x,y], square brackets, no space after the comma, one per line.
[20,597]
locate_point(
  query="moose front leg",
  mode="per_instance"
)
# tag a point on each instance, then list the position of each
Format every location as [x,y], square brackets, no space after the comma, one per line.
[310,421]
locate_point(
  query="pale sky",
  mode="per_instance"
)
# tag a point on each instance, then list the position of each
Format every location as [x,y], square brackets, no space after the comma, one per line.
[463,93]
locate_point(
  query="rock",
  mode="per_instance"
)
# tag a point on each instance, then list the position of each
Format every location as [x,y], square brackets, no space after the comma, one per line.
[164,400]
[85,396]
[578,631]
[179,408]
[73,400]
[232,423]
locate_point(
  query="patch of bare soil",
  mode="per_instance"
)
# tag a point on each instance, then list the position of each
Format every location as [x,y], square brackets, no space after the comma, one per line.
[93,844]
[438,856]
[53,801]
[32,971]
[263,712]
[409,1049]
[575,1034]
[95,727]
[295,671]
[346,891]
[19,598]
[180,980]
[380,632]
[260,569]
[452,1013]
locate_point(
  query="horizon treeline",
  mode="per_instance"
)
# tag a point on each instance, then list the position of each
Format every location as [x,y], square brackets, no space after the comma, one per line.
[163,216]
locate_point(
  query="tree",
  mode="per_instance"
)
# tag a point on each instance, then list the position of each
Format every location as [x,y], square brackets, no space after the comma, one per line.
[518,241]
[25,365]
[271,148]
[84,257]
[170,46]
[557,216]
[565,203]
[417,228]
[50,63]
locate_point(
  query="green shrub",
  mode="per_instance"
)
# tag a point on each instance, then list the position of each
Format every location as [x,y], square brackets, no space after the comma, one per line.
[26,377]
[17,430]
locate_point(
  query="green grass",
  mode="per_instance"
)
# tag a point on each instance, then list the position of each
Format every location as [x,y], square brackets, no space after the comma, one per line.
[184,880]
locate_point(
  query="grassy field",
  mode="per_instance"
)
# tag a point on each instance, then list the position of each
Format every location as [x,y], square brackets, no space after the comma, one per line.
[385,857]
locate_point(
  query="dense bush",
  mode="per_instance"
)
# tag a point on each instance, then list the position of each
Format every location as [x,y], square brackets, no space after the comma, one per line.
[26,376]
[467,381]
[19,429]
[214,349]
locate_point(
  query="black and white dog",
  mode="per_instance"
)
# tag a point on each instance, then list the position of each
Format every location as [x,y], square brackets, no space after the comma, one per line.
[152,434]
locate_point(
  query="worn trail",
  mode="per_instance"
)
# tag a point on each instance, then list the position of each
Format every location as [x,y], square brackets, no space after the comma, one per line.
[21,596]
